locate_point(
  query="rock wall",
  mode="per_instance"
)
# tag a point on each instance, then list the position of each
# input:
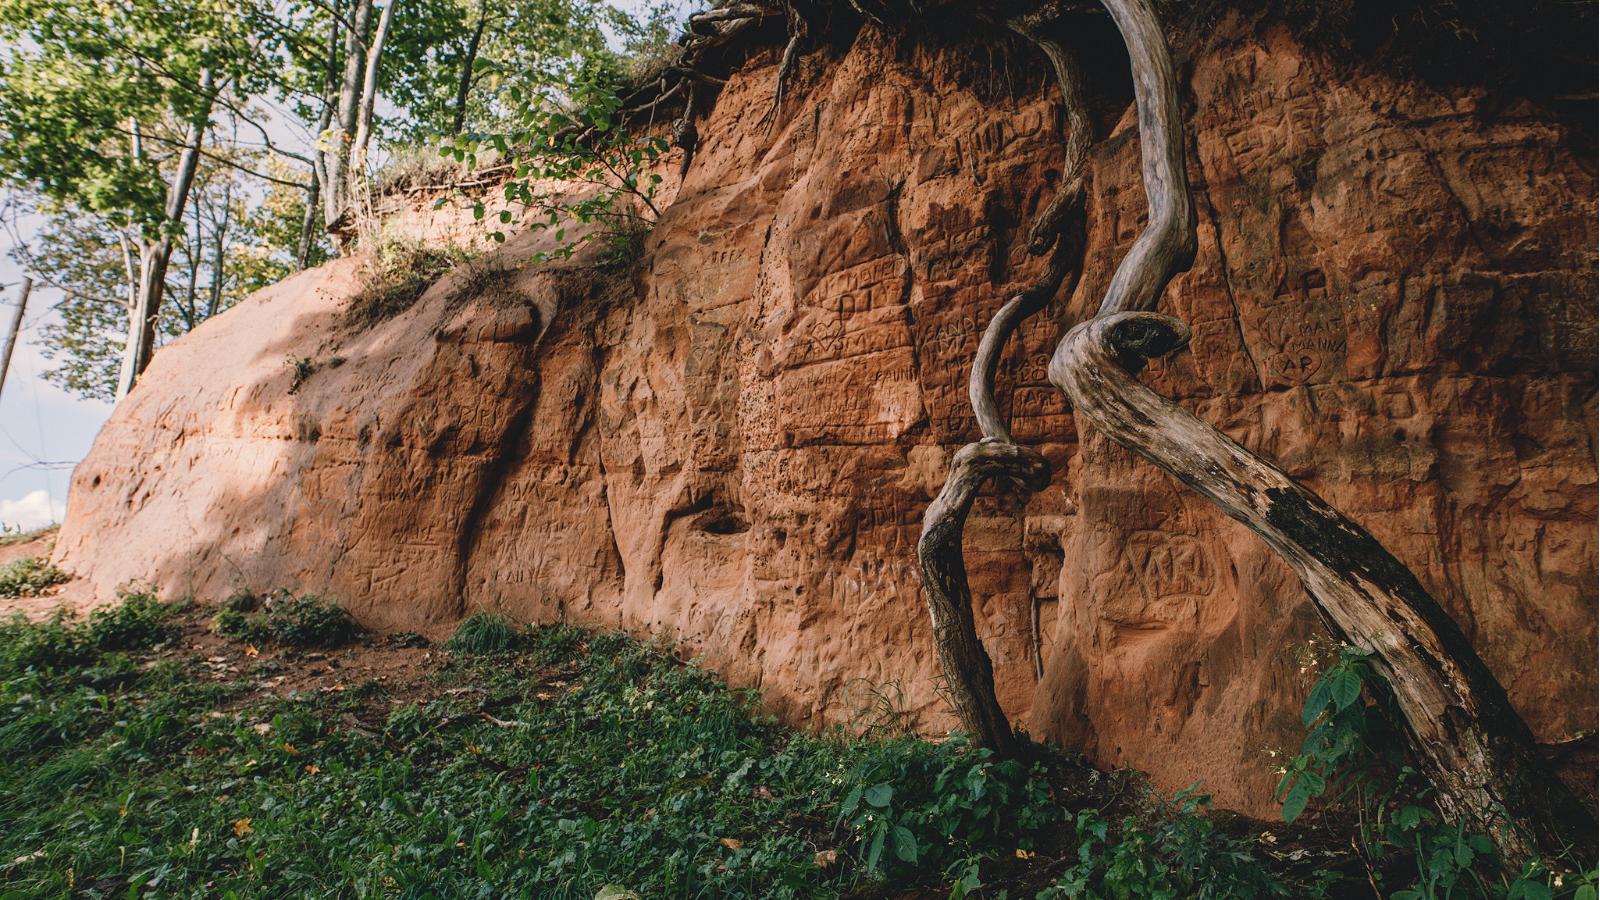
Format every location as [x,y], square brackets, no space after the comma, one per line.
[733,443]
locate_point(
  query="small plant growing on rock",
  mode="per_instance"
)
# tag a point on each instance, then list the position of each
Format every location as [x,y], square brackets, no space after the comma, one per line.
[28,577]
[484,632]
[397,276]
[303,368]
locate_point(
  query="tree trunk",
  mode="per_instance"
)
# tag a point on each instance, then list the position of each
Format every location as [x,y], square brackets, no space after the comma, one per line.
[308,221]
[155,255]
[369,92]
[336,157]
[464,87]
[1059,231]
[16,329]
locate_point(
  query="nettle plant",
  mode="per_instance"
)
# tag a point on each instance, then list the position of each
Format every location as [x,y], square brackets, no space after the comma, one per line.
[1354,758]
[575,163]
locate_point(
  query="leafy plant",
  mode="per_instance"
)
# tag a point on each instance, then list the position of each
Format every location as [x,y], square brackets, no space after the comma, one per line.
[579,171]
[138,621]
[1353,757]
[1181,856]
[305,621]
[917,807]
[28,577]
[397,275]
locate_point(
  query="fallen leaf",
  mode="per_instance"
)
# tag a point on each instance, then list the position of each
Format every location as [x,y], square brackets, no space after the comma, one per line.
[1025,854]
[762,793]
[242,827]
[732,843]
[312,770]
[262,728]
[826,858]
[250,650]
[289,749]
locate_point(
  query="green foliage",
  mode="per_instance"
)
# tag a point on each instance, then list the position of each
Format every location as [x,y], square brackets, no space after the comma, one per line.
[28,577]
[484,632]
[1180,856]
[398,274]
[917,807]
[306,621]
[579,172]
[138,621]
[583,763]
[1353,757]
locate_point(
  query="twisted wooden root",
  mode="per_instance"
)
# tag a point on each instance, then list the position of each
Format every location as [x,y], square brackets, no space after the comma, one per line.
[1059,231]
[1466,737]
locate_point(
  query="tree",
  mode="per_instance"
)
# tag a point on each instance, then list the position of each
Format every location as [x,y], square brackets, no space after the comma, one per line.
[108,115]
[226,250]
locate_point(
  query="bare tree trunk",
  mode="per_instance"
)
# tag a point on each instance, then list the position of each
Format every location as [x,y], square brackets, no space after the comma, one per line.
[369,92]
[219,254]
[336,157]
[155,255]
[464,86]
[16,328]
[308,222]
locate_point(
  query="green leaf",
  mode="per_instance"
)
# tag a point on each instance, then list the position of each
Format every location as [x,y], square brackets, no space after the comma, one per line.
[1294,803]
[875,850]
[879,795]
[905,844]
[851,800]
[1585,892]
[1346,688]
[1317,702]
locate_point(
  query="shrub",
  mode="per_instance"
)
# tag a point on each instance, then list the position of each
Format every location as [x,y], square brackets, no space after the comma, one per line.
[138,622]
[397,276]
[1180,856]
[484,632]
[28,577]
[306,621]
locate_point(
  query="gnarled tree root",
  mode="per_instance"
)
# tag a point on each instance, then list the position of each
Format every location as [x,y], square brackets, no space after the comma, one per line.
[1468,740]
[969,676]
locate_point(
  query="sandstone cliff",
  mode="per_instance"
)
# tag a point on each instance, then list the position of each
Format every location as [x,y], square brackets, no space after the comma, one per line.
[733,441]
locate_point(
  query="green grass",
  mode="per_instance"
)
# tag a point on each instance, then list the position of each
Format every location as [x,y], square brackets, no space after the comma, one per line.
[28,577]
[576,762]
[484,632]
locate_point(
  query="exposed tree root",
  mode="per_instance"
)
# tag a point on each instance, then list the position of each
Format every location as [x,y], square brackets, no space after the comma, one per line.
[1474,747]
[1059,231]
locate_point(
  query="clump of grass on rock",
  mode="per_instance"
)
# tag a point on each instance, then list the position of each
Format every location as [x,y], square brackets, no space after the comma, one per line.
[307,621]
[397,276]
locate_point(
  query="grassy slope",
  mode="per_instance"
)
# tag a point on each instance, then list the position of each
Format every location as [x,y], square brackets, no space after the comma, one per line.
[137,756]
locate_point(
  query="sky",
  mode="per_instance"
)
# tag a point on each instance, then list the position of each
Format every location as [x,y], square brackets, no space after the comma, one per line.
[45,431]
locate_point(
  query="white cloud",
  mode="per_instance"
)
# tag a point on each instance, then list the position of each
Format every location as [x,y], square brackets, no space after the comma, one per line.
[33,510]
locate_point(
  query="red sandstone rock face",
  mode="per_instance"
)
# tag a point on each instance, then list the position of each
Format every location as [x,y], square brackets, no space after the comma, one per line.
[1394,296]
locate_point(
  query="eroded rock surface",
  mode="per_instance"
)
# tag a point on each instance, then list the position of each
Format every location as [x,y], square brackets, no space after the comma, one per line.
[734,444]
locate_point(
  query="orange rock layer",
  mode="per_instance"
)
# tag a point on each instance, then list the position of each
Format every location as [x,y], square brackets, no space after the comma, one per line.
[733,443]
